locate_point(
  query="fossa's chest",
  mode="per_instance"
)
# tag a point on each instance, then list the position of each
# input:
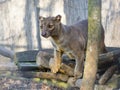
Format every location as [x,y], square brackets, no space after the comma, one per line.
[64,46]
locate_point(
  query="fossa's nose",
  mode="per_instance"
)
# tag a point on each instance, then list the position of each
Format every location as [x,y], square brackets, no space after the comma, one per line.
[44,34]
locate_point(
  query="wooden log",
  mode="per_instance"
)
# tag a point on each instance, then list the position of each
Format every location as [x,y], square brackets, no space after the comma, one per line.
[66,69]
[109,56]
[30,55]
[6,52]
[108,59]
[27,66]
[106,64]
[46,75]
[109,49]
[43,58]
[67,66]
[103,87]
[108,74]
[26,56]
[21,56]
[105,60]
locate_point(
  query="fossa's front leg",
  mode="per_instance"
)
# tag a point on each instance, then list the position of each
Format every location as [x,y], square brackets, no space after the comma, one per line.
[56,61]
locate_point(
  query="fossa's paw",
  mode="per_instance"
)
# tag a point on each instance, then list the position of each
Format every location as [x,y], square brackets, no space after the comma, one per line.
[53,66]
[78,74]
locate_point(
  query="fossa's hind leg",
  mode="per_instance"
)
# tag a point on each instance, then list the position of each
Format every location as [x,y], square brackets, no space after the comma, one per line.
[78,71]
[103,47]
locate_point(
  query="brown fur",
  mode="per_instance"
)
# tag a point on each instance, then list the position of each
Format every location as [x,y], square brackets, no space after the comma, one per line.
[71,40]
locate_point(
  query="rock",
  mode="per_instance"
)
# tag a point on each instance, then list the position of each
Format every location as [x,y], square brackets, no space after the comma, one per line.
[78,82]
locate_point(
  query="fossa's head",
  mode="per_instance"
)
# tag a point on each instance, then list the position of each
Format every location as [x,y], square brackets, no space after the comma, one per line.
[49,25]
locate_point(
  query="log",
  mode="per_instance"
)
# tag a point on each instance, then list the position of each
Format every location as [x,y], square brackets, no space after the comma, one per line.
[21,56]
[108,59]
[46,75]
[27,66]
[66,69]
[105,60]
[108,74]
[6,52]
[106,64]
[42,60]
[113,55]
[26,56]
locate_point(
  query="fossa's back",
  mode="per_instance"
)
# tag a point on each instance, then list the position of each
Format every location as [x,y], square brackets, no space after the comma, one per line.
[72,39]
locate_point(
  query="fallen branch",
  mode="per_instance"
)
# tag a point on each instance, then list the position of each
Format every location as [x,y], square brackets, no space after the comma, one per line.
[6,52]
[110,56]
[108,74]
[46,75]
[108,59]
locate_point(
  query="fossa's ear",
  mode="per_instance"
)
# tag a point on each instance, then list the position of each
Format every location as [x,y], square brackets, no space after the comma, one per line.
[58,18]
[41,18]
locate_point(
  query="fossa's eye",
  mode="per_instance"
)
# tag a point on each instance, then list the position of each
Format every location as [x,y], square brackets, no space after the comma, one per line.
[50,26]
[41,26]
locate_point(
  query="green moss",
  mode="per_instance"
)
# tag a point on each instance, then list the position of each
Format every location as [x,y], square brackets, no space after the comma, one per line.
[36,79]
[52,82]
[94,22]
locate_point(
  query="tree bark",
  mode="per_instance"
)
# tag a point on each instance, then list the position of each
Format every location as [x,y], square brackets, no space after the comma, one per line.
[94,27]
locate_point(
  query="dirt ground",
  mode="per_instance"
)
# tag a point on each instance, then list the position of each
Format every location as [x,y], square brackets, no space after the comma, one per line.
[7,83]
[12,80]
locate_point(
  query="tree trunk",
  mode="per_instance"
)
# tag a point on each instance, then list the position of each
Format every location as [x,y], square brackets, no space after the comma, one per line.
[94,27]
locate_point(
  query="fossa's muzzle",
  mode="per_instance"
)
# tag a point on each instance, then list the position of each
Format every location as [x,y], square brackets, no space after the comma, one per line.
[45,34]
